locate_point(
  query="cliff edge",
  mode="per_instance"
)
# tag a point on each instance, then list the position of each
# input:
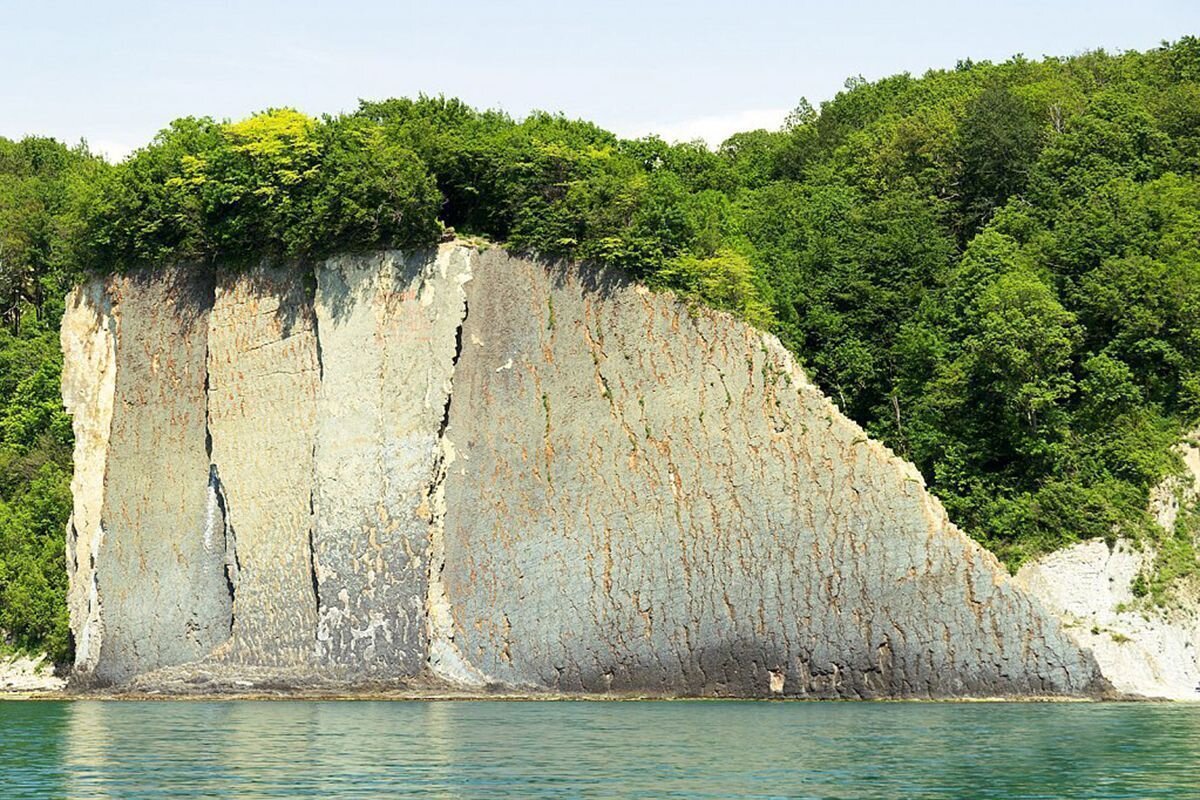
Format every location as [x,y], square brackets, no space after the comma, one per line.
[465,469]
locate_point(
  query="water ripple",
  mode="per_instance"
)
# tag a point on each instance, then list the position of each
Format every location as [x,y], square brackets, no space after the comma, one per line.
[534,750]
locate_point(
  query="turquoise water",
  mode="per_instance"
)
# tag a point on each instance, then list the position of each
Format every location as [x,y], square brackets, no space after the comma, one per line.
[596,750]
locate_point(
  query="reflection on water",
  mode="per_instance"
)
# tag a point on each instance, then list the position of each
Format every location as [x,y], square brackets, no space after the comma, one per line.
[610,750]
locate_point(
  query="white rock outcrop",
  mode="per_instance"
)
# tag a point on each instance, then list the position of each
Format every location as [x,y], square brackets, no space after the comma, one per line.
[22,674]
[1142,650]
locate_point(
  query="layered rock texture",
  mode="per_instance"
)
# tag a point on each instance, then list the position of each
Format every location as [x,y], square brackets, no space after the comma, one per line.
[463,469]
[1142,649]
[26,675]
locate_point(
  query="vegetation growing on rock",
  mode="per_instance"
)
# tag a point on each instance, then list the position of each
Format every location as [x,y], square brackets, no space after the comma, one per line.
[995,268]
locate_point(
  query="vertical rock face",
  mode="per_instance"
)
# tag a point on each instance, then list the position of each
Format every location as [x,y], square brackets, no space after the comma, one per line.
[89,340]
[388,327]
[156,567]
[485,470]
[263,379]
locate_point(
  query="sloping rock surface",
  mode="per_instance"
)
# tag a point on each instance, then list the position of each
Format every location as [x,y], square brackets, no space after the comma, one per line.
[466,469]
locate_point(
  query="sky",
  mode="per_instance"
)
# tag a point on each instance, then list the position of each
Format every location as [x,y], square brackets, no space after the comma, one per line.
[115,72]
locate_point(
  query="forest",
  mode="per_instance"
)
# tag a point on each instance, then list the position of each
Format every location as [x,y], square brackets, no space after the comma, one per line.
[995,268]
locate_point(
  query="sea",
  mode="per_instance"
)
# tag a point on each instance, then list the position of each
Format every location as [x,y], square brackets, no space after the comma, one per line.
[596,749]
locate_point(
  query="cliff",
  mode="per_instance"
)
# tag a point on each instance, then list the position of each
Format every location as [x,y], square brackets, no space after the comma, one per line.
[466,469]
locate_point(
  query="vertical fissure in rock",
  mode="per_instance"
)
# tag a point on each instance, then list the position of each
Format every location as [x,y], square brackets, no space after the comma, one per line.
[233,564]
[312,484]
[312,541]
[436,494]
[458,346]
[443,658]
[317,331]
[217,503]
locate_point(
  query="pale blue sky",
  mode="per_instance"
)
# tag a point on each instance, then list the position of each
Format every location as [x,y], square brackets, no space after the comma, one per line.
[114,72]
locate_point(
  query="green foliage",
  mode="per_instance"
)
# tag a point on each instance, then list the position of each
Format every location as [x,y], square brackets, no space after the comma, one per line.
[724,280]
[374,192]
[1176,561]
[43,187]
[992,268]
[278,184]
[35,499]
[1000,140]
